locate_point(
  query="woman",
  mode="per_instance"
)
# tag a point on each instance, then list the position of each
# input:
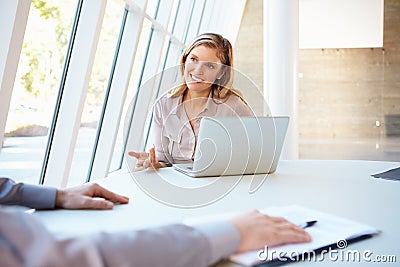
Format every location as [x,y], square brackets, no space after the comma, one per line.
[207,69]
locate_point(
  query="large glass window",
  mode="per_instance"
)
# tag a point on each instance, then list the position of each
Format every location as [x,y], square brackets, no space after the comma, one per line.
[36,87]
[154,45]
[50,81]
[116,162]
[167,26]
[99,82]
[152,7]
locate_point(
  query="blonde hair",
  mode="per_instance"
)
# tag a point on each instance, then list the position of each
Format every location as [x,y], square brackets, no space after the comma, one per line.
[222,87]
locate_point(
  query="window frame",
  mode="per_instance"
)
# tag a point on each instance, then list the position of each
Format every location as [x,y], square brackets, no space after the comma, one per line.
[163,50]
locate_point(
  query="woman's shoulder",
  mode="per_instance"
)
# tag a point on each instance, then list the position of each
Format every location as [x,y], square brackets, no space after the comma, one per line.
[167,103]
[236,101]
[235,98]
[166,99]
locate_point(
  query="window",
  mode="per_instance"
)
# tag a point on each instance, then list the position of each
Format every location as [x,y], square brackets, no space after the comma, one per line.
[129,105]
[80,81]
[100,79]
[151,41]
[35,89]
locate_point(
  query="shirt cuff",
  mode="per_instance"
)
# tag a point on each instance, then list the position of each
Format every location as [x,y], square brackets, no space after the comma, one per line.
[223,237]
[38,196]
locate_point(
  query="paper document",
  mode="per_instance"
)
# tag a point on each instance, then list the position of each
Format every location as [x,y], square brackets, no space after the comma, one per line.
[329,230]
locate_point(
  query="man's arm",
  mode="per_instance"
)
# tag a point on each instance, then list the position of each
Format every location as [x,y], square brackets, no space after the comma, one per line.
[33,196]
[86,196]
[174,245]
[24,240]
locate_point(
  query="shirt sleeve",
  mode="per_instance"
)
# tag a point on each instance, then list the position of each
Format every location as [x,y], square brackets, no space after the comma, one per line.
[223,237]
[32,196]
[26,241]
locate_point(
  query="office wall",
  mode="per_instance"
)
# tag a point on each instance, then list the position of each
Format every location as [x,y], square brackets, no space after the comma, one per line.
[351,93]
[342,93]
[248,52]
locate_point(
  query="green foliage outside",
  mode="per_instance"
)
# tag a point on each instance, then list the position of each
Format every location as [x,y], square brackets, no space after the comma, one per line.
[38,55]
[42,60]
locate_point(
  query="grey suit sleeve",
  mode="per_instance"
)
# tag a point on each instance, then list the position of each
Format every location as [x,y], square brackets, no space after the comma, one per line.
[33,196]
[24,241]
[175,245]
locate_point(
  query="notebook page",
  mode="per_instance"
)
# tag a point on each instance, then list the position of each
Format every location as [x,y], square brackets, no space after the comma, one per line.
[328,230]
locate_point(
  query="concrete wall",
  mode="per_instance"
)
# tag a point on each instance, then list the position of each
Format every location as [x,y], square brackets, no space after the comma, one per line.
[248,53]
[345,93]
[349,92]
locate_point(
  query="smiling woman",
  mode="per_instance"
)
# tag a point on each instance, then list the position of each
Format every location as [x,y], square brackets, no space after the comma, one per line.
[206,90]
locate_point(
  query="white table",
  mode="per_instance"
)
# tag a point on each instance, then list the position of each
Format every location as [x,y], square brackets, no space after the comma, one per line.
[343,188]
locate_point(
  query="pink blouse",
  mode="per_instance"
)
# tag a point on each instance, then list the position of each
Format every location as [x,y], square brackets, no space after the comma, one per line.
[174,139]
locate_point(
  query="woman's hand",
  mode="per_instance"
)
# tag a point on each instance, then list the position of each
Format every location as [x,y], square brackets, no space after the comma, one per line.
[147,160]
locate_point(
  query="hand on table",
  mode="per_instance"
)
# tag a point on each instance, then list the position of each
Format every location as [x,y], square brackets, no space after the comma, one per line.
[88,196]
[258,230]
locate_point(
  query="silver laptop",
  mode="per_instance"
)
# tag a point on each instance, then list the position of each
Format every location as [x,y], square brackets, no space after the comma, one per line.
[236,146]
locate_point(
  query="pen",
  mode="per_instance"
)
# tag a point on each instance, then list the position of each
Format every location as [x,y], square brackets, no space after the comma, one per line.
[307,224]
